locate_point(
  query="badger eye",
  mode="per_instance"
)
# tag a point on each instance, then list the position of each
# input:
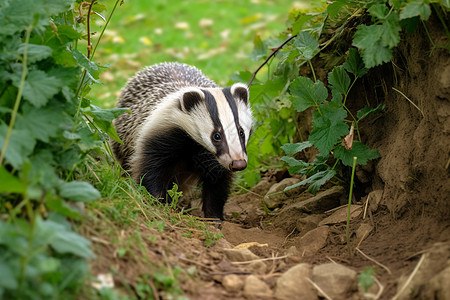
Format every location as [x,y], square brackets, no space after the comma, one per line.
[217,137]
[241,133]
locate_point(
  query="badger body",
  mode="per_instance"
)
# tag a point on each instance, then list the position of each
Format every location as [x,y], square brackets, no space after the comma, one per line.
[183,129]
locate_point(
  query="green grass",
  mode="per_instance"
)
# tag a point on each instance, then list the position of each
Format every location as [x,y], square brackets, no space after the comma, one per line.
[215,36]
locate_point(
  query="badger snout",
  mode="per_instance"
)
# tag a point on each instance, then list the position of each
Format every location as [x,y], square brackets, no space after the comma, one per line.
[238,165]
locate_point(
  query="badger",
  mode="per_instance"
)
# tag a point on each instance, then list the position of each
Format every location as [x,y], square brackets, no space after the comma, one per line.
[183,129]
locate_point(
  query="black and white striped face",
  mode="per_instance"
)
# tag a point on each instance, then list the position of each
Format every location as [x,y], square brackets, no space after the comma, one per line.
[222,120]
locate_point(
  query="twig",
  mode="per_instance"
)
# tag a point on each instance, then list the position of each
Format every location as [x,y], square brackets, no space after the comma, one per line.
[408,281]
[410,101]
[258,260]
[373,260]
[319,289]
[269,57]
[88,23]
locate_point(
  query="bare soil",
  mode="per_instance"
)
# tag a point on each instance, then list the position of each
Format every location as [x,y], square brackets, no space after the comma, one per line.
[413,174]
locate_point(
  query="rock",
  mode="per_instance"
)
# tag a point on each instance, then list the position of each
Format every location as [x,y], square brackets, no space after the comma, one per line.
[337,281]
[363,231]
[275,196]
[308,223]
[340,215]
[239,255]
[313,241]
[232,283]
[320,203]
[294,284]
[255,288]
[245,255]
[262,187]
[374,199]
[439,287]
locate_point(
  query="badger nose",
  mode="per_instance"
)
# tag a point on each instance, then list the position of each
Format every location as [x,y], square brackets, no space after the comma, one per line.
[238,165]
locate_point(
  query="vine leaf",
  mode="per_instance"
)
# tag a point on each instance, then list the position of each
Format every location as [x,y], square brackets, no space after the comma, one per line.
[416,8]
[79,191]
[315,181]
[306,45]
[390,31]
[339,79]
[379,10]
[306,93]
[20,146]
[361,151]
[292,149]
[10,183]
[367,110]
[354,63]
[102,118]
[328,127]
[368,39]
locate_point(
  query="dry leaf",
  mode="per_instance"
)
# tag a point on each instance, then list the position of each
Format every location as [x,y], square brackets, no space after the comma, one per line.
[348,140]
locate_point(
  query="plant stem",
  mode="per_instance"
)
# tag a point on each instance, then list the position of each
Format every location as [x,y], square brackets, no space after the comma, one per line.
[312,70]
[347,231]
[19,93]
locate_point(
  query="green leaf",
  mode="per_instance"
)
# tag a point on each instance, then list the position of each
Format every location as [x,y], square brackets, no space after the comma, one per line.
[259,48]
[416,8]
[63,240]
[102,118]
[328,127]
[20,146]
[445,3]
[354,63]
[300,23]
[8,278]
[306,93]
[40,87]
[366,278]
[361,151]
[35,52]
[379,10]
[79,191]
[315,181]
[369,40]
[91,67]
[339,79]
[306,45]
[10,183]
[334,8]
[365,111]
[390,31]
[41,123]
[292,149]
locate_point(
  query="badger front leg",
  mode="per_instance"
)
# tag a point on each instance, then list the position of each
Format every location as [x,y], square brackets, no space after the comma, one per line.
[215,193]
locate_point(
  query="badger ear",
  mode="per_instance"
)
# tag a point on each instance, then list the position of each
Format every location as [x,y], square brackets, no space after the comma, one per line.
[240,91]
[190,98]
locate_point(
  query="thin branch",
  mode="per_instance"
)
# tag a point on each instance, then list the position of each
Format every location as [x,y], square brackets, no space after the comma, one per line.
[88,22]
[269,57]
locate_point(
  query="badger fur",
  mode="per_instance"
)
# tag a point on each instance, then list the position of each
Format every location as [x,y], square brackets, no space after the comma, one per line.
[183,129]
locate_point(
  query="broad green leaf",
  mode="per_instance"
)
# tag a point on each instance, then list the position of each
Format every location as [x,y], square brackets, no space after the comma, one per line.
[339,79]
[416,8]
[20,146]
[300,23]
[63,240]
[306,93]
[379,10]
[334,8]
[35,52]
[390,31]
[376,55]
[10,183]
[445,3]
[291,149]
[361,151]
[41,123]
[315,181]
[328,127]
[367,36]
[91,67]
[40,87]
[259,48]
[102,118]
[367,110]
[8,278]
[79,191]
[354,63]
[307,45]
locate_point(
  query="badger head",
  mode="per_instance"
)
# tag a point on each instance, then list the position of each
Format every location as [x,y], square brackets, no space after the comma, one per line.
[220,120]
